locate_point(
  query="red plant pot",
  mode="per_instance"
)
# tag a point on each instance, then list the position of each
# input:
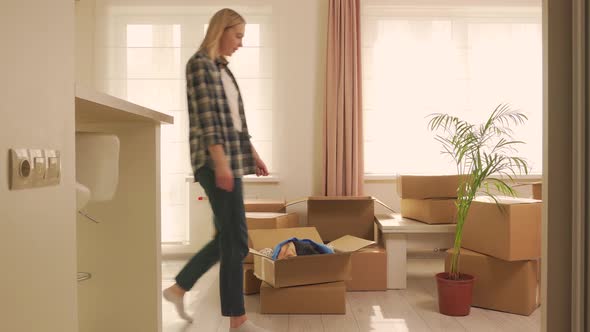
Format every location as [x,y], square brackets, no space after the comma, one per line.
[454,296]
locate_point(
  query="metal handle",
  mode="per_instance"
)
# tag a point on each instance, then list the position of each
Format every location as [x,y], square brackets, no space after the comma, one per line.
[89,217]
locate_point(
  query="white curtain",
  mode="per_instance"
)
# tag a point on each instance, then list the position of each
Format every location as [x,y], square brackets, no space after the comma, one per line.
[462,58]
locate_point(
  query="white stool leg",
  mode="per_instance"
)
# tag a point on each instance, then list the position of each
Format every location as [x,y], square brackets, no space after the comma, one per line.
[396,247]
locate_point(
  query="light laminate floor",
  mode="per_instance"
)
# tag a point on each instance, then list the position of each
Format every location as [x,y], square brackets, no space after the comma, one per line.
[412,309]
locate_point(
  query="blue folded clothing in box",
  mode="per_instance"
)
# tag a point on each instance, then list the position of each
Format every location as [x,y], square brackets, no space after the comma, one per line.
[296,270]
[301,247]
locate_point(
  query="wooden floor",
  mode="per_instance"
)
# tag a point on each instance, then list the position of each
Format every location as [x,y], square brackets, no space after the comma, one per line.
[412,309]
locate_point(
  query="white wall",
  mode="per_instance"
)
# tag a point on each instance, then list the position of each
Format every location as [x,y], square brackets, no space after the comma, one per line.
[299,103]
[85,10]
[301,60]
[37,226]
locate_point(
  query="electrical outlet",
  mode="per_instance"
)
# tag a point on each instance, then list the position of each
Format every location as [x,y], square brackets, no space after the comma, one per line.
[20,169]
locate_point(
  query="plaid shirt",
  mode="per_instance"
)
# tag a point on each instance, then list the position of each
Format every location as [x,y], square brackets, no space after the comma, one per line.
[210,117]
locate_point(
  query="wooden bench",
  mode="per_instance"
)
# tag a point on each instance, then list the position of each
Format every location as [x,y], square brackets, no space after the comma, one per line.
[400,234]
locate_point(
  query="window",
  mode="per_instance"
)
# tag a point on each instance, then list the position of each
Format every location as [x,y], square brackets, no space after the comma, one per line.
[458,59]
[143,60]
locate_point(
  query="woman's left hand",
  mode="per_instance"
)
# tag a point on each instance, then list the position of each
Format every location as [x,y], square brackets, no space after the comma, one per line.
[261,169]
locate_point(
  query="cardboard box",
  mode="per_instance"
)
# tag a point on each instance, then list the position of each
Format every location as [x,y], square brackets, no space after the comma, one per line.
[368,269]
[537,190]
[510,231]
[327,298]
[265,205]
[251,283]
[430,210]
[425,186]
[302,270]
[337,216]
[269,220]
[500,285]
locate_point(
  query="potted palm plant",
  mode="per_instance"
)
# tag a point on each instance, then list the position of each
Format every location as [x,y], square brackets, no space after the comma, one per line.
[485,157]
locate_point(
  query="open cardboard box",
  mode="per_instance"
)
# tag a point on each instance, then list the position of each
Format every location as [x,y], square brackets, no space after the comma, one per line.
[336,216]
[269,220]
[302,270]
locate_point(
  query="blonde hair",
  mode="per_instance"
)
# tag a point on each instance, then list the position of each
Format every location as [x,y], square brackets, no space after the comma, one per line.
[222,20]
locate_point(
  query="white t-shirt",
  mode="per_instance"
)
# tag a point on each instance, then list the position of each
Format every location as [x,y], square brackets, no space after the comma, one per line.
[231,92]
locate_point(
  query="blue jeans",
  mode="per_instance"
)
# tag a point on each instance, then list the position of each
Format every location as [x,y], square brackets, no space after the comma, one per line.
[230,245]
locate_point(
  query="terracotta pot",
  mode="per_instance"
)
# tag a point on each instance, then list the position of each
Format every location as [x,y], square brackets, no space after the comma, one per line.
[454,296]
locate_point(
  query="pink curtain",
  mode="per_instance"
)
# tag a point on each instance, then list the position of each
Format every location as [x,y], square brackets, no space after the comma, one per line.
[343,122]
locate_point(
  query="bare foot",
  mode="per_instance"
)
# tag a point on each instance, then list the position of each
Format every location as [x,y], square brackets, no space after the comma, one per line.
[235,322]
[247,326]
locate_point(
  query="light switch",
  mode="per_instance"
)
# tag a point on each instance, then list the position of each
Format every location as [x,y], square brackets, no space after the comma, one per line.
[52,176]
[20,169]
[39,166]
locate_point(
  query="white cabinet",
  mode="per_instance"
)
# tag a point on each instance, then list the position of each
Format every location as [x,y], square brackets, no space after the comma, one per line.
[122,251]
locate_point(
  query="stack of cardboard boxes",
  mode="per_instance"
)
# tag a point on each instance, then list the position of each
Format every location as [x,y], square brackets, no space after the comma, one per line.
[429,199]
[303,284]
[335,217]
[501,243]
[264,214]
[501,247]
[317,284]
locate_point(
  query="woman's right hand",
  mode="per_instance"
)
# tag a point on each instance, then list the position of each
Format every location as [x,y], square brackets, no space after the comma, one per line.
[224,178]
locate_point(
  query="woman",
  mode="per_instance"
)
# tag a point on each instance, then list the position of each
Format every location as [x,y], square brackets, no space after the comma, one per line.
[221,153]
